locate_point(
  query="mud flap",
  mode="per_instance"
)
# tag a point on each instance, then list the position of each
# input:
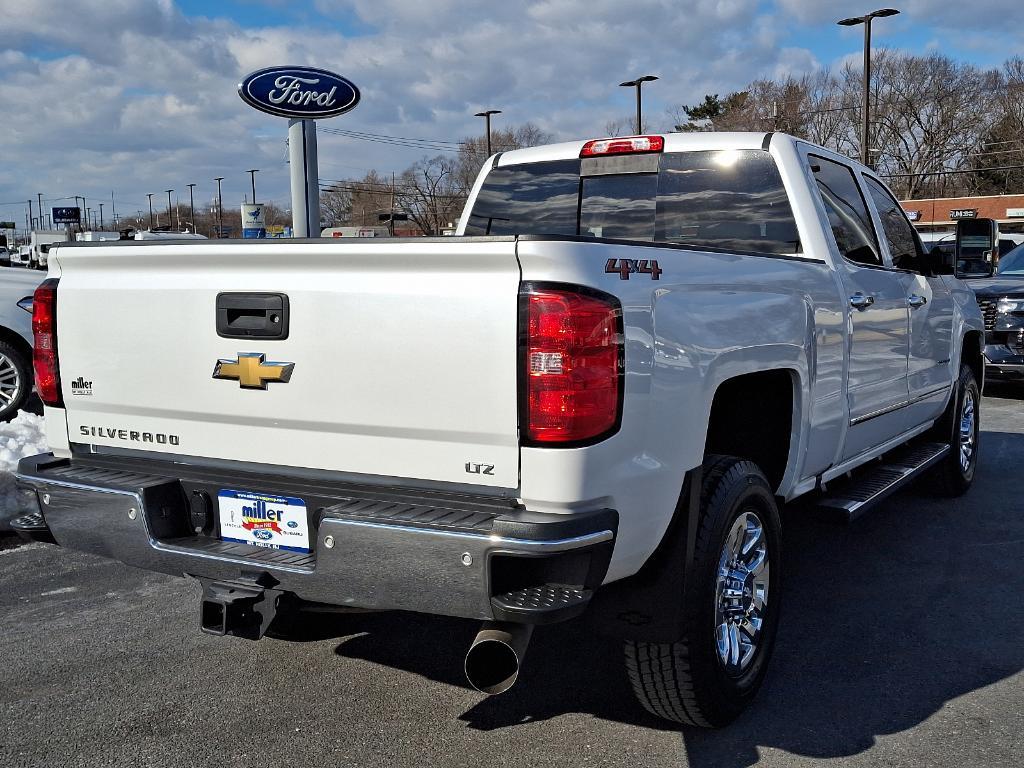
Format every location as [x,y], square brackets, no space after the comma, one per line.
[648,606]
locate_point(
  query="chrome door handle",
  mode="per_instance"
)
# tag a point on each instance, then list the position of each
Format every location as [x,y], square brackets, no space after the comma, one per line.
[861,301]
[916,301]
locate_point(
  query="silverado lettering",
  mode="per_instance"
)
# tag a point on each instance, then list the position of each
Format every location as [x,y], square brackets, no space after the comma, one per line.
[129,434]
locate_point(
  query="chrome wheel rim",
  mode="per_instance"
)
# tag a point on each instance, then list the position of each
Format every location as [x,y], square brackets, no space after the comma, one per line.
[741,593]
[10,382]
[968,419]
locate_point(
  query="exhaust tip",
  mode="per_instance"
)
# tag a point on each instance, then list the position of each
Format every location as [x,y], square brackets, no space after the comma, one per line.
[493,660]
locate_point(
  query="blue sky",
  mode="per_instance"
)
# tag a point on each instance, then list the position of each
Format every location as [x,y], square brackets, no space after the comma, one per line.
[138,96]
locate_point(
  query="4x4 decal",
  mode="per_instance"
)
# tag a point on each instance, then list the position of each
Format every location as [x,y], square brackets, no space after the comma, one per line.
[627,267]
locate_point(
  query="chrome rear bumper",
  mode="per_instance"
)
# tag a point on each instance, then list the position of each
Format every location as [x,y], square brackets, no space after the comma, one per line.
[375,548]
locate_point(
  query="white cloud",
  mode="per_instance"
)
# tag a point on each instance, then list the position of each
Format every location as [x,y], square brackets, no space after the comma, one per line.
[135,96]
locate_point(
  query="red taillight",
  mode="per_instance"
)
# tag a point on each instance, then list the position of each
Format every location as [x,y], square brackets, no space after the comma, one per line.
[627,145]
[572,361]
[44,333]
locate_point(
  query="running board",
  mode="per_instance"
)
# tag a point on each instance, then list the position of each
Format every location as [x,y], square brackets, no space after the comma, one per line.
[846,499]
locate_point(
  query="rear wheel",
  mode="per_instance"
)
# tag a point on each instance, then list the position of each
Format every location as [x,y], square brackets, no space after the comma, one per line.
[959,427]
[708,676]
[15,380]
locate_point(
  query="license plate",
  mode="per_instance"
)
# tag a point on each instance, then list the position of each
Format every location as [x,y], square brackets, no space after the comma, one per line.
[274,522]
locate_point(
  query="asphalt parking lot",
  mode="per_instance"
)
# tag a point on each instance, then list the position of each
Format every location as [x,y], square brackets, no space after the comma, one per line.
[900,645]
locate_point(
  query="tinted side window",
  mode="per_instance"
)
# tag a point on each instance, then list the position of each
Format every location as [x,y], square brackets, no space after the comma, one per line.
[898,232]
[847,211]
[539,198]
[726,199]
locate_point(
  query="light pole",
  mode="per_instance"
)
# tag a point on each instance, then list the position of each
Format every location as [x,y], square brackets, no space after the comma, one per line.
[252,174]
[191,207]
[170,219]
[220,208]
[866,21]
[486,115]
[150,196]
[636,84]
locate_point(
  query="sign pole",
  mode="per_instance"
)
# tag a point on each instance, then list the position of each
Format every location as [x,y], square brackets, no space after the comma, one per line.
[303,95]
[305,180]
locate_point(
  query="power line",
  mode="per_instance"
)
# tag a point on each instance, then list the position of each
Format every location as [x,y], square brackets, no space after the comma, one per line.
[394,138]
[943,173]
[398,141]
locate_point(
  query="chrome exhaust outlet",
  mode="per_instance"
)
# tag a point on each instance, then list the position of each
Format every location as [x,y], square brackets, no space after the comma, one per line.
[493,660]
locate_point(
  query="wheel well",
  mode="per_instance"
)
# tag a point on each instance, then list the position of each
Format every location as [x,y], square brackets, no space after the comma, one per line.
[972,355]
[752,418]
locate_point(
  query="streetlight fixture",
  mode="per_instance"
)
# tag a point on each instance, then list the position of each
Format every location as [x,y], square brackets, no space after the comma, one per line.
[252,174]
[636,84]
[486,115]
[170,219]
[191,206]
[866,21]
[150,196]
[220,208]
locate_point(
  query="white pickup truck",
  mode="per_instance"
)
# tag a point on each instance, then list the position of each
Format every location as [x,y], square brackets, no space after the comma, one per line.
[592,403]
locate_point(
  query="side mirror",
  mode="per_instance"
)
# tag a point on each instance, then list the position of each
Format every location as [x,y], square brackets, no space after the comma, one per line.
[977,241]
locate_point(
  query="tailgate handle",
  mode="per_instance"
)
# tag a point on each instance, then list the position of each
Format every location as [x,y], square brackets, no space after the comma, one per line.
[252,315]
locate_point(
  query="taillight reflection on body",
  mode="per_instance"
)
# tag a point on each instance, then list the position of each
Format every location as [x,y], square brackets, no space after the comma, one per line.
[44,347]
[572,365]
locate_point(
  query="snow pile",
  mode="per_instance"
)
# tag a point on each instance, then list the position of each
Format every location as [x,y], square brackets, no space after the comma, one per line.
[24,436]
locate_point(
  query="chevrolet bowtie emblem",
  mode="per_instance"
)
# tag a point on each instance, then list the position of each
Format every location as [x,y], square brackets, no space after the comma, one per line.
[251,371]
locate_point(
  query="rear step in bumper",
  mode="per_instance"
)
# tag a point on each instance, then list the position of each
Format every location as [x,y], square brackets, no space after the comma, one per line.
[32,527]
[389,548]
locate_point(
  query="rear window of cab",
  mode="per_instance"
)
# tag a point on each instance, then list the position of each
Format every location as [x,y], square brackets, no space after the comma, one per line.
[730,199]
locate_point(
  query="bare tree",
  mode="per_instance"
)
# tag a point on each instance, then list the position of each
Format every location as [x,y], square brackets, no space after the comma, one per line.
[473,150]
[930,115]
[623,126]
[431,194]
[1003,144]
[335,205]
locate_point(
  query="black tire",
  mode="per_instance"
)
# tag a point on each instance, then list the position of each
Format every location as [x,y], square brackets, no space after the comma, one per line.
[951,477]
[16,371]
[685,681]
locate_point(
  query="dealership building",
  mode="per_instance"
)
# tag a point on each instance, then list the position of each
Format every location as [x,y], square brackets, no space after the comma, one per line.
[940,214]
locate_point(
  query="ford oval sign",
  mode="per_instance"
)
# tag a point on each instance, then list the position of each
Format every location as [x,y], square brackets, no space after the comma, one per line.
[298,92]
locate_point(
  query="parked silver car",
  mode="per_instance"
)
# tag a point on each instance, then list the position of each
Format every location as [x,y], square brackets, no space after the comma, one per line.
[16,289]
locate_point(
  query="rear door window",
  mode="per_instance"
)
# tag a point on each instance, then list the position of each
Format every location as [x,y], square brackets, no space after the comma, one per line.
[847,211]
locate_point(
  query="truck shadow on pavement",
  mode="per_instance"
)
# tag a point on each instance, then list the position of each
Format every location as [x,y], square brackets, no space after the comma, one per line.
[885,622]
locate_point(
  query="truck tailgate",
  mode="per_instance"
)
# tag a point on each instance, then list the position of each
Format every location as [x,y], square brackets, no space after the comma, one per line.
[404,355]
